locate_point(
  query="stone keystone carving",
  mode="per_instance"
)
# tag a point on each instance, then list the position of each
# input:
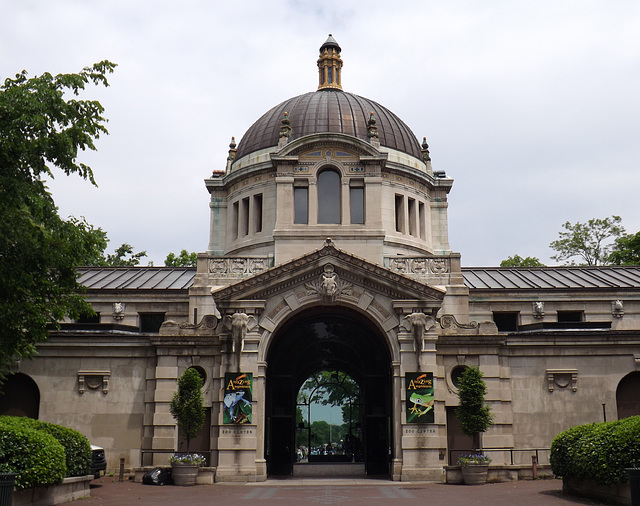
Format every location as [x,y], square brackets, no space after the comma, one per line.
[329,286]
[418,324]
[238,324]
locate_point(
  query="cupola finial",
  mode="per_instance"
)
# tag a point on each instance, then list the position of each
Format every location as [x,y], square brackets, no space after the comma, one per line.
[330,65]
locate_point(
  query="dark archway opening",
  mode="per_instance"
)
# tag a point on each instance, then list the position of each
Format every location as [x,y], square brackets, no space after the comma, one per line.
[20,396]
[335,341]
[628,395]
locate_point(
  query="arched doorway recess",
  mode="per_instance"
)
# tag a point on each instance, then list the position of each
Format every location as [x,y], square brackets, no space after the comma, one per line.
[20,396]
[335,339]
[628,395]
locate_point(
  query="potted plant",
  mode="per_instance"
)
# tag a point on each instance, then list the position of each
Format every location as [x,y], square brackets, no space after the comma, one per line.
[474,468]
[187,407]
[475,417]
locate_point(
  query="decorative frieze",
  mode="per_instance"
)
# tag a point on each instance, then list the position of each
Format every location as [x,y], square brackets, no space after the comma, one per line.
[418,265]
[238,266]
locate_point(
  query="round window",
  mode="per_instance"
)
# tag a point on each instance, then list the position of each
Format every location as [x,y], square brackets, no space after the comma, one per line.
[201,372]
[456,373]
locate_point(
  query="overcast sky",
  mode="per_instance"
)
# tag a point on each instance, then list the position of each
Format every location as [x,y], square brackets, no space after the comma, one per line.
[532,107]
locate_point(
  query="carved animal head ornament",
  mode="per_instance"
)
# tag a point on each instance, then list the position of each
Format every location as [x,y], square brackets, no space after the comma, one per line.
[238,324]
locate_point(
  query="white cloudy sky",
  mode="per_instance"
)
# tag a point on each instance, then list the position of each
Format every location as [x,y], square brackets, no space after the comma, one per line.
[531,106]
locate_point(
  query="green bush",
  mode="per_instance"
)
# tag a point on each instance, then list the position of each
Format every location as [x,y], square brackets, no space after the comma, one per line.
[37,457]
[598,451]
[77,448]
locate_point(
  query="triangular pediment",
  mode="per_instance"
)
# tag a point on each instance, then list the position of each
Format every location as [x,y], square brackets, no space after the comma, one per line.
[331,272]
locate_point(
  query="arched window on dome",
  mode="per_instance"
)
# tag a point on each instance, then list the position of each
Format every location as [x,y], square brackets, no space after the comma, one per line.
[329,208]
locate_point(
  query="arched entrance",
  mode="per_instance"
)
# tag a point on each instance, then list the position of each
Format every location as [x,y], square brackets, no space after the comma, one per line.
[20,396]
[331,340]
[628,395]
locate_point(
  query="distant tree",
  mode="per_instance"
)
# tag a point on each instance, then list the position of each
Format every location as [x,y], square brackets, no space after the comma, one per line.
[185,259]
[518,261]
[591,241]
[123,257]
[626,250]
[43,126]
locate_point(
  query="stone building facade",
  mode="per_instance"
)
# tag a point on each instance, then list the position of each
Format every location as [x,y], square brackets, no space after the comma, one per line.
[329,251]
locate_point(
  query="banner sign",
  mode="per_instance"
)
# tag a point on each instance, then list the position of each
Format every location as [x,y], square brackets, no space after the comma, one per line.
[238,388]
[419,395]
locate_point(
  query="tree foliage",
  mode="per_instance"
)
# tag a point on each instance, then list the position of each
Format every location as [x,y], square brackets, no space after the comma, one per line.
[187,405]
[626,250]
[591,241]
[185,259]
[474,415]
[123,256]
[518,261]
[43,125]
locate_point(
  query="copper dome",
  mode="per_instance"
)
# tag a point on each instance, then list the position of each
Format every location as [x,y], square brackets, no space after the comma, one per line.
[332,111]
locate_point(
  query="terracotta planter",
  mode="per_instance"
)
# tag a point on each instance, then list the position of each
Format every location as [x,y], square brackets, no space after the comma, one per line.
[474,474]
[184,474]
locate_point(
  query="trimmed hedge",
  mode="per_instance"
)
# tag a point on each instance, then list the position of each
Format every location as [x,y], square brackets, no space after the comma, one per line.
[14,456]
[37,457]
[599,452]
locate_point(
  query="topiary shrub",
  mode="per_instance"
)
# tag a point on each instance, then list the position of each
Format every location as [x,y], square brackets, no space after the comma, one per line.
[76,446]
[36,457]
[599,452]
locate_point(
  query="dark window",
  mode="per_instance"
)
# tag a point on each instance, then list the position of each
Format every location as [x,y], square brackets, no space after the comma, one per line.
[506,321]
[412,217]
[245,216]
[328,197]
[400,213]
[570,316]
[456,373]
[301,205]
[234,220]
[356,203]
[423,222]
[257,213]
[151,322]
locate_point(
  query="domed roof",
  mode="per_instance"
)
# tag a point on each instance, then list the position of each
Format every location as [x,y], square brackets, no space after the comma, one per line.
[332,111]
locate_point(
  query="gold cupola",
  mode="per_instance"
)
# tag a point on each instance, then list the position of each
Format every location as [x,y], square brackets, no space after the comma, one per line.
[330,66]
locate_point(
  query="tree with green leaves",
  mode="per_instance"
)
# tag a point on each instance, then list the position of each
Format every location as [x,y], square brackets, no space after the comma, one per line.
[518,261]
[474,414]
[185,259]
[591,241]
[123,256]
[626,250]
[43,126]
[187,405]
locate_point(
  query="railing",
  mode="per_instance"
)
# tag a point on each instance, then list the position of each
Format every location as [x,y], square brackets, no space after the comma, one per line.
[533,452]
[205,453]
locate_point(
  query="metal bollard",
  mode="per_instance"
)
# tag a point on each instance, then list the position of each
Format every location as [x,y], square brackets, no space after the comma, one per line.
[121,475]
[534,467]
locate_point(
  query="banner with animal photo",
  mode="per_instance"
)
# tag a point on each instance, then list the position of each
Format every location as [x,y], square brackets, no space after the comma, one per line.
[238,387]
[420,398]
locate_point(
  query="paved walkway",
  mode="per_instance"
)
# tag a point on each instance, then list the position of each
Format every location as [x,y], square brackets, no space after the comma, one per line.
[109,492]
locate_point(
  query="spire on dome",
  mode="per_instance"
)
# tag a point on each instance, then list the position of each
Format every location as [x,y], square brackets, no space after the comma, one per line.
[330,65]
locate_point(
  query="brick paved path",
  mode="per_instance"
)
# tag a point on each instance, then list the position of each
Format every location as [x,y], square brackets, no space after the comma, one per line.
[108,492]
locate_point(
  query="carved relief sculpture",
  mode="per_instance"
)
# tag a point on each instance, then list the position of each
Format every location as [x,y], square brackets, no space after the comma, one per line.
[418,324]
[238,324]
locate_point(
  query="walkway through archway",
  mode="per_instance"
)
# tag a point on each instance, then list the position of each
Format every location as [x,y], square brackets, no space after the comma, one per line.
[338,340]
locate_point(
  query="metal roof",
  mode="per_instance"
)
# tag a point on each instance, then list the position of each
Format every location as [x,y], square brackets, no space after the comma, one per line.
[136,278]
[476,278]
[552,278]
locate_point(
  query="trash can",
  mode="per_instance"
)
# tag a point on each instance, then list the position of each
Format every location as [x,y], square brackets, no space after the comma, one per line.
[634,484]
[7,481]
